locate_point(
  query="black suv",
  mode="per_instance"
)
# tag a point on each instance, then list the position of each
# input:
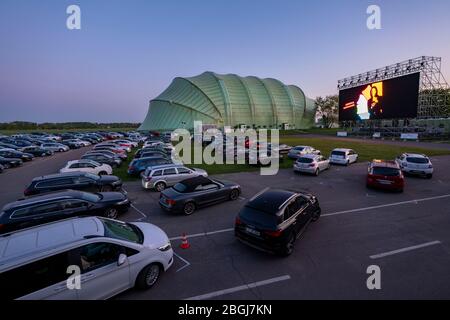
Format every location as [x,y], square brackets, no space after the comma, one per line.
[274,219]
[60,205]
[16,154]
[10,162]
[74,180]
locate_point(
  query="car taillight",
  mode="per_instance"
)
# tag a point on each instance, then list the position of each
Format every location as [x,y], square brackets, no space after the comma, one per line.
[274,234]
[170,202]
[237,221]
[147,179]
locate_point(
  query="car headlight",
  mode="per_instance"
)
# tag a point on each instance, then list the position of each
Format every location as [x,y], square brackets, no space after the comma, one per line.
[165,247]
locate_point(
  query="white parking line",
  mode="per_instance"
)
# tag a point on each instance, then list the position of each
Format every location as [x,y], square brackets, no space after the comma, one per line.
[186,263]
[139,211]
[204,234]
[239,288]
[391,253]
[386,205]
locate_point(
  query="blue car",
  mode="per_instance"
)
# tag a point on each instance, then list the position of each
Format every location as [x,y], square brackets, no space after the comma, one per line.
[137,166]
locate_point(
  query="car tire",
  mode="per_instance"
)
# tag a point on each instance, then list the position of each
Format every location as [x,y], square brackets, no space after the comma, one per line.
[429,176]
[348,163]
[289,246]
[103,173]
[316,215]
[160,186]
[234,194]
[316,173]
[111,213]
[61,150]
[148,276]
[189,208]
[7,166]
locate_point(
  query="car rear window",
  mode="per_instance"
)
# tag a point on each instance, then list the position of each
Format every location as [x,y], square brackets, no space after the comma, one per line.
[304,160]
[383,171]
[338,153]
[417,160]
[260,218]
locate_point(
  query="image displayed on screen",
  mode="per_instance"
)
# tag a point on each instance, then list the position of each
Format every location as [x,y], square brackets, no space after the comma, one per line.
[388,99]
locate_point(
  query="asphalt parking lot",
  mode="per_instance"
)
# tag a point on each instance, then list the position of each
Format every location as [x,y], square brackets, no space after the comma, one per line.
[406,235]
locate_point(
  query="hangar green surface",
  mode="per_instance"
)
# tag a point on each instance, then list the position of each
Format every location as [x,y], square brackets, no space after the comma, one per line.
[229,100]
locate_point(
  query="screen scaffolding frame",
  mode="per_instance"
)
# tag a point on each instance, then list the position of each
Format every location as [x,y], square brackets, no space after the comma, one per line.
[434,95]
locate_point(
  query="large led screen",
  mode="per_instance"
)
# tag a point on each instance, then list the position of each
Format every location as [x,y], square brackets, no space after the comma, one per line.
[390,99]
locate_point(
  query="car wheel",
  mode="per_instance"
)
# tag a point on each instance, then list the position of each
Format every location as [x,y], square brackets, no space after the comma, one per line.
[103,173]
[111,213]
[107,188]
[160,186]
[429,176]
[348,163]
[316,215]
[316,173]
[189,208]
[61,150]
[7,165]
[289,246]
[148,276]
[43,154]
[234,194]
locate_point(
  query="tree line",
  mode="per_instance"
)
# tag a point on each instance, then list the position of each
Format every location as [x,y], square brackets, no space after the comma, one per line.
[24,125]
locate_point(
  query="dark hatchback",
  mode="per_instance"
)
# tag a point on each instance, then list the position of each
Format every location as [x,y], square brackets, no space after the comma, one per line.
[138,166]
[190,194]
[16,154]
[73,180]
[274,219]
[37,151]
[61,205]
[10,162]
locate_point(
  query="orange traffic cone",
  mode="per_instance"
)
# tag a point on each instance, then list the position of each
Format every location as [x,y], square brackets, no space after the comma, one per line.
[184,243]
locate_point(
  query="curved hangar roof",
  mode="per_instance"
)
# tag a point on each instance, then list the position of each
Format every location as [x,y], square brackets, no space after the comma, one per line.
[229,100]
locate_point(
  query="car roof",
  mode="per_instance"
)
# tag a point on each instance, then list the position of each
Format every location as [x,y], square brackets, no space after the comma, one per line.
[60,175]
[385,164]
[195,181]
[301,147]
[272,199]
[415,155]
[150,158]
[56,195]
[165,166]
[42,239]
[341,149]
[309,156]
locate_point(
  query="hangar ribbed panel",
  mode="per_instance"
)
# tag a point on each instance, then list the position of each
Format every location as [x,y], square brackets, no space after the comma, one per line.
[229,100]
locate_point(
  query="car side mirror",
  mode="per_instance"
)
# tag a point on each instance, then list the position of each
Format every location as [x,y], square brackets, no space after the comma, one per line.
[122,259]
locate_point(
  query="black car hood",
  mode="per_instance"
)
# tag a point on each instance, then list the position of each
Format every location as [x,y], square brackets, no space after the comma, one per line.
[109,179]
[112,196]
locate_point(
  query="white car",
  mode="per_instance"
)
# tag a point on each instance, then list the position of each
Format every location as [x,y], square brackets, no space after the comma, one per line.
[343,156]
[311,163]
[153,143]
[55,147]
[87,166]
[134,144]
[84,143]
[112,256]
[298,151]
[416,164]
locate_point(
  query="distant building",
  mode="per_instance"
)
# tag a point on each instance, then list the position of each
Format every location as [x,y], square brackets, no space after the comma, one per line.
[230,100]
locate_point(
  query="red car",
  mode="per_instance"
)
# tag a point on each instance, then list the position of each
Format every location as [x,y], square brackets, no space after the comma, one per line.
[385,175]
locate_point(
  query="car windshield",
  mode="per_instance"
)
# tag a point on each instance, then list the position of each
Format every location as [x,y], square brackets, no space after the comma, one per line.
[338,153]
[299,148]
[304,160]
[384,171]
[122,231]
[417,160]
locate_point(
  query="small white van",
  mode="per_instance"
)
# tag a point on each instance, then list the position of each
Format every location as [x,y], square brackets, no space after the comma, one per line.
[111,256]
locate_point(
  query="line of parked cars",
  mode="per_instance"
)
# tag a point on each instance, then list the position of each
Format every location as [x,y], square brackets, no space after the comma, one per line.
[68,219]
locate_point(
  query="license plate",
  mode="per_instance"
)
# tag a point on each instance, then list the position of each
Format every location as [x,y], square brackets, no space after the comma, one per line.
[385,181]
[253,231]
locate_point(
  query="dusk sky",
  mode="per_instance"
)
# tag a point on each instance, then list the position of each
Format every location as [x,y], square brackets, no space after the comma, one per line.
[128,52]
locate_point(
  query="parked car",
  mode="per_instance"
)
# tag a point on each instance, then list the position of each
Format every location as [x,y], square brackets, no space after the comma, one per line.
[161,177]
[139,153]
[59,205]
[343,156]
[9,153]
[153,143]
[126,143]
[298,151]
[385,175]
[22,143]
[89,166]
[10,162]
[311,163]
[274,219]
[4,145]
[103,158]
[415,164]
[37,151]
[161,154]
[113,145]
[137,166]
[55,147]
[73,180]
[113,256]
[191,194]
[110,152]
[72,144]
